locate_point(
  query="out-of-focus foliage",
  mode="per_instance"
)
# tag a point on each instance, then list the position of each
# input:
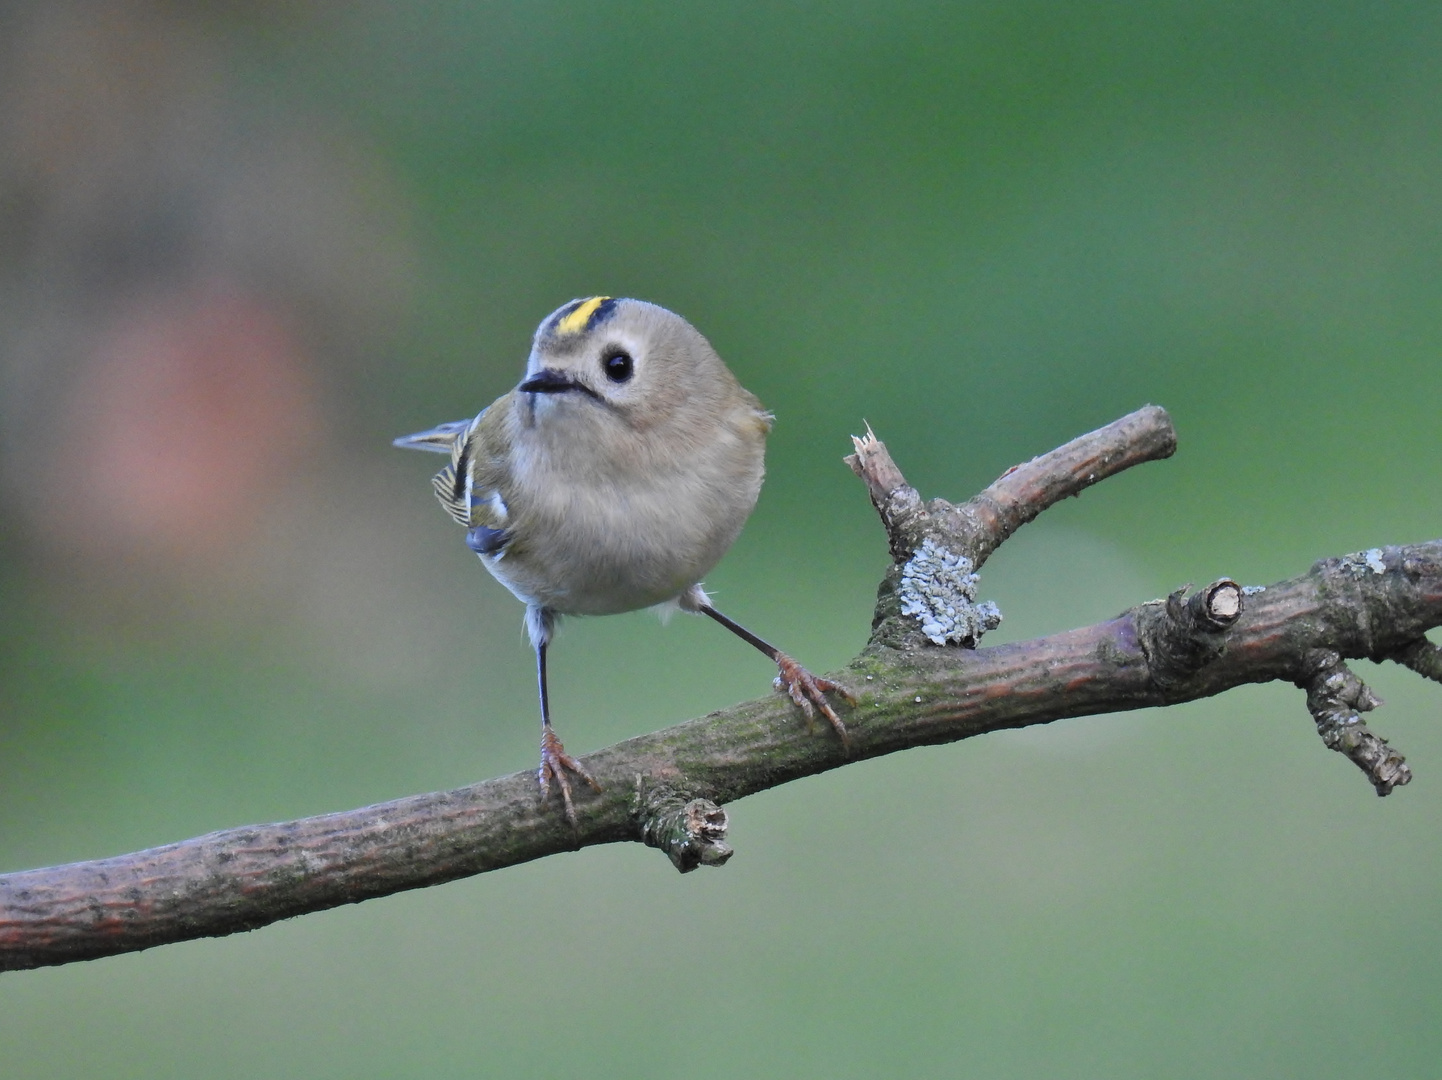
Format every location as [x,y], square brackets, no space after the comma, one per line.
[242,245]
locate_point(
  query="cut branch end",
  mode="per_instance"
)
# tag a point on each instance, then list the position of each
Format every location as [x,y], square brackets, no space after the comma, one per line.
[691,832]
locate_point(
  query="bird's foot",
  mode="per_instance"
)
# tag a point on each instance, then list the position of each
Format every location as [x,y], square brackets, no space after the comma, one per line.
[555,763]
[809,692]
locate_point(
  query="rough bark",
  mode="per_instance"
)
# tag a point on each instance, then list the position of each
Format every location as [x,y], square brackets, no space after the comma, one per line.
[666,789]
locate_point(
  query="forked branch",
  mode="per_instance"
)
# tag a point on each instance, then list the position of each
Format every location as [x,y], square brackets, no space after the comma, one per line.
[919,680]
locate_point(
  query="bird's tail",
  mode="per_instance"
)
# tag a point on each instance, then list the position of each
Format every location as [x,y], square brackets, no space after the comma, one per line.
[438,439]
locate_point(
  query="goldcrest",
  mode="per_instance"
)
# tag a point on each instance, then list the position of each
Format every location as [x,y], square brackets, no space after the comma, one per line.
[614,477]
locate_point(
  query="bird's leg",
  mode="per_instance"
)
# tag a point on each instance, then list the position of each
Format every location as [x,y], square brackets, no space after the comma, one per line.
[808,691]
[554,760]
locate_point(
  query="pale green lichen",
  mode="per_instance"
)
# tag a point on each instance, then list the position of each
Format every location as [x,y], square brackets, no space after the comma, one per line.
[938,590]
[1363,562]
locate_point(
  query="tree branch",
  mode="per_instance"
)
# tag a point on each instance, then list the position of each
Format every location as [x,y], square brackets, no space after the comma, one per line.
[665,789]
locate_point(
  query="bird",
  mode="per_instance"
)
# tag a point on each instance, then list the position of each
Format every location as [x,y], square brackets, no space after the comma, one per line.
[613,477]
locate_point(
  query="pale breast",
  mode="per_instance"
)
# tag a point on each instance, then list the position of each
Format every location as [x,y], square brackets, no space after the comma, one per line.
[593,540]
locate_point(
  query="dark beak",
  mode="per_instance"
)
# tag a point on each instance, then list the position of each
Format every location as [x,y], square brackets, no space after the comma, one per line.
[547,381]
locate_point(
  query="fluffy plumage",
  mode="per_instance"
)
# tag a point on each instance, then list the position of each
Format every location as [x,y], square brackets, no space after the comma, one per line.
[614,477]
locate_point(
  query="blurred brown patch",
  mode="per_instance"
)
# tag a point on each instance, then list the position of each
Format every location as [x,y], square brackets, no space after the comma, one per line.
[195,279]
[183,428]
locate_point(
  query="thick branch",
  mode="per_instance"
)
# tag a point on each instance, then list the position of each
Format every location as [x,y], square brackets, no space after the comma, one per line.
[666,788]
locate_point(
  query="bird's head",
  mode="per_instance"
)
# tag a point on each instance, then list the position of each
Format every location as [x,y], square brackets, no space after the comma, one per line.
[616,364]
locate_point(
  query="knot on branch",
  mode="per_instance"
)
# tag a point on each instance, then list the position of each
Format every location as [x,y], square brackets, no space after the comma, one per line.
[1336,698]
[691,832]
[1181,635]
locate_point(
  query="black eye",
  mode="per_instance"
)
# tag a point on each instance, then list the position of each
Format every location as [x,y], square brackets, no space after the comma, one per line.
[618,365]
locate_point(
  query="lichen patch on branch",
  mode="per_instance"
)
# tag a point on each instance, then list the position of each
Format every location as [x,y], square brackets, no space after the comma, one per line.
[938,590]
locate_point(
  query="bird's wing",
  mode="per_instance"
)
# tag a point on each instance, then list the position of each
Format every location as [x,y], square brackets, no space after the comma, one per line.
[470,486]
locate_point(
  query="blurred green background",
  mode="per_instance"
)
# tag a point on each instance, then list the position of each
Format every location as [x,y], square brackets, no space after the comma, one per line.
[244,245]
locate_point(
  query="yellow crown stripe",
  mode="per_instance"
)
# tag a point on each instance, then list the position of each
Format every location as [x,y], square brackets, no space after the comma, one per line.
[575,321]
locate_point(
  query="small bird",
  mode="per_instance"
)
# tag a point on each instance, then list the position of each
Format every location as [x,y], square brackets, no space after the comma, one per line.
[614,477]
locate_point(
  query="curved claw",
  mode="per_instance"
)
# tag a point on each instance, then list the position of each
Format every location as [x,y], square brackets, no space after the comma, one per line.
[555,763]
[809,692]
